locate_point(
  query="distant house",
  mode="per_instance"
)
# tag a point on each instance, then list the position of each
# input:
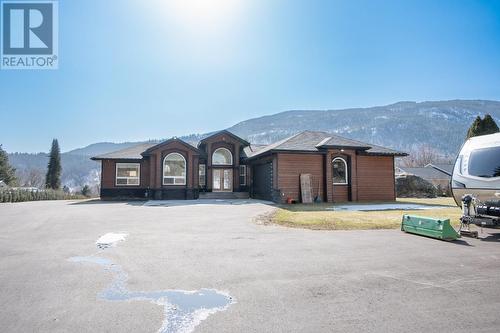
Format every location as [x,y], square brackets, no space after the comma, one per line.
[437,174]
[3,185]
[225,165]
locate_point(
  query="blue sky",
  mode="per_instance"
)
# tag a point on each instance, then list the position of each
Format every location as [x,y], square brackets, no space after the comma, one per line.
[135,70]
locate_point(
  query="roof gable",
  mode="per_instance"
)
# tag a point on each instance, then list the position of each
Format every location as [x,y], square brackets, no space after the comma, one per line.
[168,142]
[225,132]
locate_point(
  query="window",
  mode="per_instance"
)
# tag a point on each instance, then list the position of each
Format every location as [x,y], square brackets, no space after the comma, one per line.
[339,171]
[222,156]
[128,174]
[174,169]
[202,169]
[485,162]
[243,175]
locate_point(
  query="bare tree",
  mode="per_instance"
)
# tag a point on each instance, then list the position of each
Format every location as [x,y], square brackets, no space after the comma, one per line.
[422,156]
[34,178]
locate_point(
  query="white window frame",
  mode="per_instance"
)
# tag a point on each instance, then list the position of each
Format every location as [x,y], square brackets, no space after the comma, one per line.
[174,177]
[222,148]
[346,171]
[138,165]
[202,175]
[243,174]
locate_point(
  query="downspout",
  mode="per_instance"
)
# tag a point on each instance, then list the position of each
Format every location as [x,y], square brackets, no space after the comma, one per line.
[325,177]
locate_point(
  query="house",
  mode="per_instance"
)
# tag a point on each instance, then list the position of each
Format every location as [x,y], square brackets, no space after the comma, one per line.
[446,169]
[225,165]
[3,186]
[438,175]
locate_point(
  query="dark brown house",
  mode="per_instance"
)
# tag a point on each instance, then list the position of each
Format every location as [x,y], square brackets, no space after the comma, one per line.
[224,165]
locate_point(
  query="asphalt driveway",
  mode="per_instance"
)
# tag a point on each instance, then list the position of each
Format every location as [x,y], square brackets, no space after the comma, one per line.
[278,279]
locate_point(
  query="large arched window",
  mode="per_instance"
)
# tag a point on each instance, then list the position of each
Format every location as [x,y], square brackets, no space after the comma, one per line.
[222,156]
[174,169]
[339,171]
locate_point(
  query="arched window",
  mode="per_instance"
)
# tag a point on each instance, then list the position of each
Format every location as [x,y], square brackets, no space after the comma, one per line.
[339,171]
[222,156]
[174,169]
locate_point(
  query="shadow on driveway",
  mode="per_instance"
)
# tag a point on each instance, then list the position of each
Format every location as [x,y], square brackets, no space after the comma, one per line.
[175,203]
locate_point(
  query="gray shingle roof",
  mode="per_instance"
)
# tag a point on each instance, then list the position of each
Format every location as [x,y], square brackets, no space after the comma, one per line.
[334,141]
[252,149]
[426,173]
[307,141]
[447,168]
[131,153]
[313,141]
[379,150]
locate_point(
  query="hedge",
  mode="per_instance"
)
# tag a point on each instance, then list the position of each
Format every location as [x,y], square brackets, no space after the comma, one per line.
[20,195]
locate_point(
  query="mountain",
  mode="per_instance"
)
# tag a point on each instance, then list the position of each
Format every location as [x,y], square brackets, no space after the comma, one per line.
[403,126]
[77,170]
[100,148]
[106,147]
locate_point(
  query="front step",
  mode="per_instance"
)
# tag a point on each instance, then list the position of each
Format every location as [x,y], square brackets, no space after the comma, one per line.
[224,195]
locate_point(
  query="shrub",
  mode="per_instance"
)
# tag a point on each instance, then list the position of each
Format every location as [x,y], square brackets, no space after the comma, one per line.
[21,195]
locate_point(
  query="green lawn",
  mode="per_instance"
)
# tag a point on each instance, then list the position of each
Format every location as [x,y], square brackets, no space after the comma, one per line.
[315,216]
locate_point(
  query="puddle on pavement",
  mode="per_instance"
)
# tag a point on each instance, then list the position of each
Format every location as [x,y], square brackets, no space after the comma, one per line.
[183,310]
[383,207]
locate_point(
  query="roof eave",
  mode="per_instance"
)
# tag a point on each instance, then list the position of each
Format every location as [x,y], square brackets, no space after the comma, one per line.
[362,148]
[396,154]
[97,158]
[286,151]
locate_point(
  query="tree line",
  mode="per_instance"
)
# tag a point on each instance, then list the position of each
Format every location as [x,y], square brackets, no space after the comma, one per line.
[426,154]
[52,189]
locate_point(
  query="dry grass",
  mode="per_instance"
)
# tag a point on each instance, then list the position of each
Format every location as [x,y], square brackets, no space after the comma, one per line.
[315,216]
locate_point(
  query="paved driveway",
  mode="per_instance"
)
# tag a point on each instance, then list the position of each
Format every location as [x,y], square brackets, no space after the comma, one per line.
[279,280]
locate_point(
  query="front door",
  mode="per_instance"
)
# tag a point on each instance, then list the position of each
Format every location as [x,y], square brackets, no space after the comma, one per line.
[222,180]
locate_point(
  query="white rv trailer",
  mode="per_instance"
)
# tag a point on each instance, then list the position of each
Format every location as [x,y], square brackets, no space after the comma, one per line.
[477,169]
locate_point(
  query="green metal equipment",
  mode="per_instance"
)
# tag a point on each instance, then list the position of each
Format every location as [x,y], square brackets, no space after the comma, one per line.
[429,227]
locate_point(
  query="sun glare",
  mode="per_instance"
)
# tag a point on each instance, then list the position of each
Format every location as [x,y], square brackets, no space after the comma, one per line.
[204,32]
[203,13]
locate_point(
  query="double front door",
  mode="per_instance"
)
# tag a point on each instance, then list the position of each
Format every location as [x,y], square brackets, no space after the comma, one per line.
[222,180]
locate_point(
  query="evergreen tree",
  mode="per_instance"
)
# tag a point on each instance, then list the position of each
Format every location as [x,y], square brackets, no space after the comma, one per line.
[86,191]
[482,126]
[7,173]
[53,177]
[489,125]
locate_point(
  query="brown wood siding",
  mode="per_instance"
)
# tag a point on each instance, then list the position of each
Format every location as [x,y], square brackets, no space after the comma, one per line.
[340,193]
[375,178]
[291,166]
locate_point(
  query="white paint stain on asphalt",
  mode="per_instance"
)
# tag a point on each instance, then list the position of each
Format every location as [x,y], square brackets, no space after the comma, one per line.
[110,239]
[183,310]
